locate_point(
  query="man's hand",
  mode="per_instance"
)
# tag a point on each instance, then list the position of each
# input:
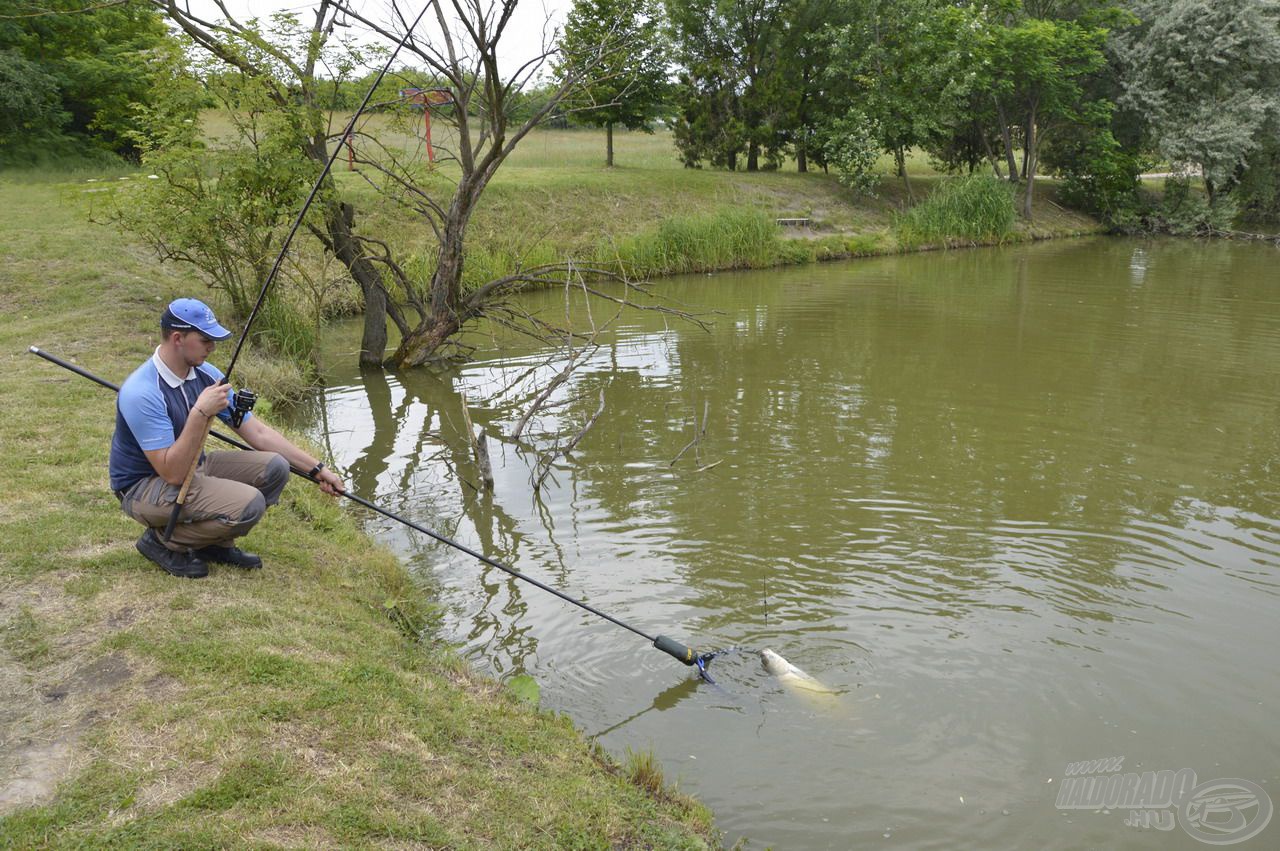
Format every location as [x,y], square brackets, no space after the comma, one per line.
[329,482]
[214,399]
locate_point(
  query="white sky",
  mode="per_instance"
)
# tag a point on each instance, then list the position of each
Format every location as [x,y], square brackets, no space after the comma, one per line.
[521,42]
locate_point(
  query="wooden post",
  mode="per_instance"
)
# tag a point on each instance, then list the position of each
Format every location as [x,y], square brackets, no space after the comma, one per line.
[479,450]
[426,120]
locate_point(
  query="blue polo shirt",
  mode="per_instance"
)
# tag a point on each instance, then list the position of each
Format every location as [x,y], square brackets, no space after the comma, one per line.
[151,411]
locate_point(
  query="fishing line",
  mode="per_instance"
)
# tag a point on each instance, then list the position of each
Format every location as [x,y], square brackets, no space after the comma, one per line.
[673,648]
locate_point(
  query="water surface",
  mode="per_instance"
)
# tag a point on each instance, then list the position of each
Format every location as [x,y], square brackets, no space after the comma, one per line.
[1019,507]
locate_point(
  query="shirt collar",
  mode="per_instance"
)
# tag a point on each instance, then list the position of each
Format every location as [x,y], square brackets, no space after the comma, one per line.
[170,377]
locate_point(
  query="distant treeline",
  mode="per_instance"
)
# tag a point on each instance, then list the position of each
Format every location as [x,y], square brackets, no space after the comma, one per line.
[1092,90]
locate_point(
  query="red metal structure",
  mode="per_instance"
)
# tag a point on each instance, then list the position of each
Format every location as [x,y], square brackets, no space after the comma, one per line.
[427,98]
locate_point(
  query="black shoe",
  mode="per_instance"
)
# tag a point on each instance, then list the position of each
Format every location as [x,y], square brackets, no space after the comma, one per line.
[230,555]
[182,563]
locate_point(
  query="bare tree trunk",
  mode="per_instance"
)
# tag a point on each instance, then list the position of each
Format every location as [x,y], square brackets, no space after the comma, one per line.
[1026,150]
[753,157]
[991,156]
[802,159]
[444,313]
[339,221]
[1029,163]
[608,135]
[900,157]
[1008,143]
[421,343]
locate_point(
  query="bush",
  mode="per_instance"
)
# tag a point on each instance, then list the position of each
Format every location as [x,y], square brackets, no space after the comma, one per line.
[1101,178]
[961,210]
[1182,212]
[1259,188]
[851,145]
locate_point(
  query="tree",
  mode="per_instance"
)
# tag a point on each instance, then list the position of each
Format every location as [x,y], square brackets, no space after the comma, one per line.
[410,271]
[462,49]
[224,208]
[732,93]
[97,62]
[1206,75]
[281,61]
[1047,61]
[627,87]
[29,101]
[1027,76]
[805,89]
[891,63]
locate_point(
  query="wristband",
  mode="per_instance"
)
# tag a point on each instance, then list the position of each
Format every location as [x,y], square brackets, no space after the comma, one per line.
[316,469]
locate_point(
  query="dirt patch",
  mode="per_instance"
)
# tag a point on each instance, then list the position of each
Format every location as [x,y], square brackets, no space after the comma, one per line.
[101,674]
[55,684]
[33,770]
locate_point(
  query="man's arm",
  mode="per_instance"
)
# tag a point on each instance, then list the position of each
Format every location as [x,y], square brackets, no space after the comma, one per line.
[261,436]
[173,461]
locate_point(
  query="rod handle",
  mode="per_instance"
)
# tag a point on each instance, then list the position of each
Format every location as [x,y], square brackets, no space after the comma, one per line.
[675,649]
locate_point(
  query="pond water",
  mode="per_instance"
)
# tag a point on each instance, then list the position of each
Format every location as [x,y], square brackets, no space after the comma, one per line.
[1018,508]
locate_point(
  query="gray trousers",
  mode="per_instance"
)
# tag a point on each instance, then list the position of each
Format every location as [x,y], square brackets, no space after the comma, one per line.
[228,496]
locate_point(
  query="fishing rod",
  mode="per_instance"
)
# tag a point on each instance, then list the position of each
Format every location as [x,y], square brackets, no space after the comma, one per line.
[673,648]
[245,399]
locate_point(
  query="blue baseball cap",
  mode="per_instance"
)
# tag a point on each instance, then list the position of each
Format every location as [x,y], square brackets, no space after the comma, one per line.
[191,314]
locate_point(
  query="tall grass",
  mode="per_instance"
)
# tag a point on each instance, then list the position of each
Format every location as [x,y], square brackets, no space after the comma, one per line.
[961,210]
[730,239]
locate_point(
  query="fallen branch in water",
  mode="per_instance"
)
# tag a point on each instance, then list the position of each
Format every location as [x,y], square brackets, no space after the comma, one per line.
[698,434]
[546,461]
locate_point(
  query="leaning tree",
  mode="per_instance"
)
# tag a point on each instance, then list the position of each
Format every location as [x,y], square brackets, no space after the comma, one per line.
[458,47]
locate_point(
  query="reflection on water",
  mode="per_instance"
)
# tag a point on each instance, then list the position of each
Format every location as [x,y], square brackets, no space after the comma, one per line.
[1018,507]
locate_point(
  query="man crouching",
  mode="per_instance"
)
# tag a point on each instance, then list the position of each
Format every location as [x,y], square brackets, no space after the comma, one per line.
[160,425]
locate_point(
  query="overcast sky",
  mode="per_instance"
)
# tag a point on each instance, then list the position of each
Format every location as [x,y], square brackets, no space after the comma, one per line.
[521,42]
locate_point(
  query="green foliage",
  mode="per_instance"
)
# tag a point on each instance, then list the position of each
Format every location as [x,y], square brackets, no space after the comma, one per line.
[613,58]
[1099,176]
[910,103]
[1205,74]
[851,145]
[225,206]
[961,210]
[734,94]
[1259,189]
[69,80]
[1184,211]
[29,101]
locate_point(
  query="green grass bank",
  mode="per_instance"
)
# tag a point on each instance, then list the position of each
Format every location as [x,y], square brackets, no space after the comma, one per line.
[281,708]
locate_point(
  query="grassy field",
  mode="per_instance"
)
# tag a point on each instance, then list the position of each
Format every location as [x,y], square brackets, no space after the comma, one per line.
[291,707]
[554,195]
